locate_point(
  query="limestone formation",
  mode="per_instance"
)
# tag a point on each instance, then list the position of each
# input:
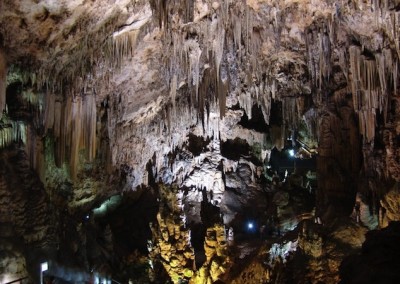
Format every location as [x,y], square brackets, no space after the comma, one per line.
[279,119]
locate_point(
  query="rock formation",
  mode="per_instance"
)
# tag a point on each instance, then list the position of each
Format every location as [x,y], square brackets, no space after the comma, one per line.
[134,135]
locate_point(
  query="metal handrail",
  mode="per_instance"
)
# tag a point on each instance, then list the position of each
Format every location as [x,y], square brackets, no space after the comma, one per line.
[17,280]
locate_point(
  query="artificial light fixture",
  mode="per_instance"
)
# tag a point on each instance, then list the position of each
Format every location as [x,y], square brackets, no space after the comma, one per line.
[43,267]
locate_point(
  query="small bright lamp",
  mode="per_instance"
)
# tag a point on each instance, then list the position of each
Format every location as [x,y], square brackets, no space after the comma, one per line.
[43,267]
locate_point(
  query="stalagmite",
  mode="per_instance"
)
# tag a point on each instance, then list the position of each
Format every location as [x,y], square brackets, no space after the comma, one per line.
[3,82]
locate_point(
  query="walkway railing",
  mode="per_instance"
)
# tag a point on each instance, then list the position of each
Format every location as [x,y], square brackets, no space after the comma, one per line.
[17,280]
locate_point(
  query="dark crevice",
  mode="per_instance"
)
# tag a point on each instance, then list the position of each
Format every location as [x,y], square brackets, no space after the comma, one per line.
[197,144]
[234,149]
[257,121]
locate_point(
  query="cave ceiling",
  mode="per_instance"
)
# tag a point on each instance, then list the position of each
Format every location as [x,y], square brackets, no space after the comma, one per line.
[204,101]
[150,62]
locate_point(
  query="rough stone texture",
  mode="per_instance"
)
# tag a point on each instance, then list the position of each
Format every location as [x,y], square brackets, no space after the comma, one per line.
[316,253]
[390,207]
[377,260]
[217,259]
[27,229]
[171,239]
[104,94]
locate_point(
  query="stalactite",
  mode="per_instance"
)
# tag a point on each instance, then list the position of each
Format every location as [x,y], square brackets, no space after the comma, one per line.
[309,39]
[124,43]
[34,149]
[223,89]
[218,48]
[324,56]
[311,120]
[57,119]
[191,53]
[194,59]
[246,102]
[372,82]
[89,126]
[74,129]
[289,112]
[395,21]
[355,54]
[173,88]
[203,92]
[74,135]
[3,82]
[160,8]
[187,7]
[237,31]
[266,101]
[11,132]
[248,27]
[49,114]
[168,115]
[395,74]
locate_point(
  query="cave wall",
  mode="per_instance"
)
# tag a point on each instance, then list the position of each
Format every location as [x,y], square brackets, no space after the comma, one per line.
[105,98]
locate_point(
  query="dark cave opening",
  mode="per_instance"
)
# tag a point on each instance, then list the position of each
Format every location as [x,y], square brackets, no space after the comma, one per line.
[282,161]
[234,149]
[197,144]
[130,222]
[17,108]
[257,121]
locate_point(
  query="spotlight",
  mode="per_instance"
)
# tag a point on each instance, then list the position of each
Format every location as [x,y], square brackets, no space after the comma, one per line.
[250,226]
[291,153]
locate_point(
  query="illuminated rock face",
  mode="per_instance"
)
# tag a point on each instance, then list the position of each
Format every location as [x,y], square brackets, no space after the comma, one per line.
[390,207]
[171,239]
[187,102]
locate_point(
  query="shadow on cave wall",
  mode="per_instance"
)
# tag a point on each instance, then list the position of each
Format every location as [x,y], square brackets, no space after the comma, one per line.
[378,261]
